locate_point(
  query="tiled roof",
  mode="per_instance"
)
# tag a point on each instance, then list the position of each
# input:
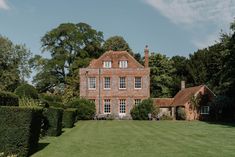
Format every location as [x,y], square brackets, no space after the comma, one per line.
[114,56]
[185,95]
[182,97]
[163,102]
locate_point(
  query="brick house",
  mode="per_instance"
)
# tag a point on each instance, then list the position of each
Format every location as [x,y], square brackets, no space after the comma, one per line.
[115,82]
[169,106]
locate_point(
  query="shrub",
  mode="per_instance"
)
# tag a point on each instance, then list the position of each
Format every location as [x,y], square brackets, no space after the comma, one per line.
[141,111]
[85,109]
[51,100]
[8,99]
[166,117]
[27,102]
[181,115]
[52,121]
[26,91]
[69,117]
[20,130]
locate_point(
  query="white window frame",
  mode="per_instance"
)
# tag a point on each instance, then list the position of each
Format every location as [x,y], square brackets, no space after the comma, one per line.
[205,110]
[107,64]
[107,106]
[123,64]
[137,101]
[122,106]
[122,82]
[91,80]
[135,83]
[107,84]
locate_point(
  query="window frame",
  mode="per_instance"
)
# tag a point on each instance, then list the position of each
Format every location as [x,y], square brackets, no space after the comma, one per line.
[122,106]
[89,83]
[137,103]
[140,83]
[123,64]
[108,83]
[107,64]
[203,109]
[107,102]
[122,85]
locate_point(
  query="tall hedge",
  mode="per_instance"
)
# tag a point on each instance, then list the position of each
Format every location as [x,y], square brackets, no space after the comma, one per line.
[19,130]
[8,99]
[85,109]
[26,91]
[69,117]
[52,121]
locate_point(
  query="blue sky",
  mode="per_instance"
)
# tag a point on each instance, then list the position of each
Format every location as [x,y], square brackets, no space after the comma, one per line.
[172,27]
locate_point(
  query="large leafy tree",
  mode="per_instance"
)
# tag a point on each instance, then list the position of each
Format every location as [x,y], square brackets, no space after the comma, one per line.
[161,75]
[13,64]
[71,46]
[117,43]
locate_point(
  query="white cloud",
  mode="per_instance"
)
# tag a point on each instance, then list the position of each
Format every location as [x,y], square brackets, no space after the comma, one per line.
[198,14]
[3,5]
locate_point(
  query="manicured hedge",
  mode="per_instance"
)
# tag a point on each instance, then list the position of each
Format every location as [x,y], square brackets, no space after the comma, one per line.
[52,121]
[26,91]
[69,117]
[19,130]
[8,99]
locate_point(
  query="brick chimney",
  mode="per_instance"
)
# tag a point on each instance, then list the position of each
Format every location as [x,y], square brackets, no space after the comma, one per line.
[146,57]
[182,85]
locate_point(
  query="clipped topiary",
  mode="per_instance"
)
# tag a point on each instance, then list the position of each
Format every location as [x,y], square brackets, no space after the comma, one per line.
[8,99]
[26,91]
[51,100]
[181,115]
[69,117]
[85,109]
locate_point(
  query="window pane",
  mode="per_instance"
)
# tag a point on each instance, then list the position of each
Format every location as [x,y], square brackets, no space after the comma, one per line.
[137,82]
[107,64]
[92,82]
[122,106]
[107,82]
[107,106]
[137,101]
[122,82]
[122,64]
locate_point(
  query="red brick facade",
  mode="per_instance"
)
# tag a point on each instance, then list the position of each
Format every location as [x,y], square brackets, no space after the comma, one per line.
[106,72]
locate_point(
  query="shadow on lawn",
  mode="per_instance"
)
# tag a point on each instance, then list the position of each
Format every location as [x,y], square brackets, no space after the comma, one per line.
[226,124]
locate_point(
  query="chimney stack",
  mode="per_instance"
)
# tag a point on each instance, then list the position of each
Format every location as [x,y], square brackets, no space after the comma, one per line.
[182,85]
[146,57]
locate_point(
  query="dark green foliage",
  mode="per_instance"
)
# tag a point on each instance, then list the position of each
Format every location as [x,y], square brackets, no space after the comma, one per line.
[69,117]
[85,109]
[51,100]
[20,130]
[8,99]
[52,121]
[166,117]
[180,113]
[26,91]
[141,111]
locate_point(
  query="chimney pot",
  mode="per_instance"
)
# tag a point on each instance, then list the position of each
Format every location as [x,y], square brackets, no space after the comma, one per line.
[182,85]
[146,57]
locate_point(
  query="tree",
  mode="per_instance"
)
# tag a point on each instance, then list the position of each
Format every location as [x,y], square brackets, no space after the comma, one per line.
[13,64]
[117,43]
[71,46]
[161,75]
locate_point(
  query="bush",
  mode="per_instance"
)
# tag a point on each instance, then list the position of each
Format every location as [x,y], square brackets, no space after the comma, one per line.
[69,117]
[166,117]
[52,121]
[181,115]
[27,102]
[8,99]
[51,100]
[141,111]
[20,130]
[26,91]
[85,109]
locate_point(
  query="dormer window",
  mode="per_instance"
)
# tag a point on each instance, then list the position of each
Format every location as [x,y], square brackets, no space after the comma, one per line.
[107,64]
[122,64]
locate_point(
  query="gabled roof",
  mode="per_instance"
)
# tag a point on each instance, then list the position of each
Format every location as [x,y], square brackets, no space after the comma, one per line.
[163,102]
[183,96]
[114,56]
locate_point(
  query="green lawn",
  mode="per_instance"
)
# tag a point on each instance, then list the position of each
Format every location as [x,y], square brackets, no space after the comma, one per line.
[141,139]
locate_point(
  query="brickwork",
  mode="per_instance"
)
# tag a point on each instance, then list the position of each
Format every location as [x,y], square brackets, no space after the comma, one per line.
[115,94]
